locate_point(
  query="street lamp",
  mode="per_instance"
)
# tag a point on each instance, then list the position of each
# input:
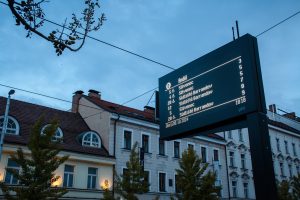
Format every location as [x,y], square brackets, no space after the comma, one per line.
[5,120]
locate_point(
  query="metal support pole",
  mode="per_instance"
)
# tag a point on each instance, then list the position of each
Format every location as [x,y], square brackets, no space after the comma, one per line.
[261,156]
[5,121]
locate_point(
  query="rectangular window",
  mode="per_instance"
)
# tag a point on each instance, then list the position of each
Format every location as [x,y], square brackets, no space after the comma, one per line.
[281,169]
[203,154]
[216,155]
[9,178]
[177,190]
[290,171]
[147,177]
[161,147]
[162,182]
[68,176]
[240,135]
[246,190]
[231,159]
[176,149]
[278,144]
[243,161]
[191,146]
[286,147]
[92,177]
[127,139]
[234,189]
[145,143]
[229,134]
[294,149]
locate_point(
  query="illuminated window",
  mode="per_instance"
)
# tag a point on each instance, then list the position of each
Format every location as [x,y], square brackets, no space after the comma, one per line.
[58,133]
[91,139]
[68,176]
[12,125]
[92,177]
[9,177]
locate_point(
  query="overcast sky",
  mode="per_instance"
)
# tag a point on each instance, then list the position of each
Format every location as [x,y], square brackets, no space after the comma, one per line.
[173,32]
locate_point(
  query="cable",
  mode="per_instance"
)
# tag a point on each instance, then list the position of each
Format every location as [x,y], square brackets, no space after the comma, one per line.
[278,24]
[67,101]
[107,43]
[150,99]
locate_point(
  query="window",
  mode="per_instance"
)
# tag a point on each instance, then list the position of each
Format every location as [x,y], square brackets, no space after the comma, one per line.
[161,147]
[162,182]
[9,178]
[58,133]
[281,169]
[240,135]
[229,134]
[294,149]
[216,155]
[231,159]
[68,176]
[147,177]
[278,145]
[92,177]
[190,146]
[286,147]
[243,161]
[176,149]
[245,190]
[234,189]
[145,143]
[91,139]
[177,189]
[12,126]
[203,154]
[127,139]
[290,171]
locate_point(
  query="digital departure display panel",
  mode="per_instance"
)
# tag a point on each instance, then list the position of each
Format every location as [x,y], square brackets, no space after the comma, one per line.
[219,86]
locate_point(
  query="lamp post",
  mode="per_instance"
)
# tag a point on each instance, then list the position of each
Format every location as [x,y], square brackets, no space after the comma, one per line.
[5,120]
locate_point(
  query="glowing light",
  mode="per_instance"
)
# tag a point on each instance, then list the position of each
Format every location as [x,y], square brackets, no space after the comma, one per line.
[105,184]
[1,176]
[56,183]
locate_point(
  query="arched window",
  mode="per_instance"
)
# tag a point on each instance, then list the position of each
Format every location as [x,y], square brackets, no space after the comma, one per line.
[12,125]
[58,136]
[91,139]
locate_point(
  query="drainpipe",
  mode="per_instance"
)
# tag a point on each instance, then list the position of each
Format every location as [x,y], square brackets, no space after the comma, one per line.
[114,153]
[227,169]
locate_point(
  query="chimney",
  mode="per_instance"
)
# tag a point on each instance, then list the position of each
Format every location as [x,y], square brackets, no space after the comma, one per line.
[272,108]
[94,93]
[75,101]
[149,109]
[291,115]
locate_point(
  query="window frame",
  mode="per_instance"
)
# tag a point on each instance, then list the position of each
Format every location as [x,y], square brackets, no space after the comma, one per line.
[149,141]
[17,129]
[123,138]
[206,153]
[11,175]
[165,181]
[234,188]
[91,179]
[192,144]
[286,146]
[91,140]
[60,138]
[68,174]
[218,155]
[149,178]
[246,190]
[175,156]
[165,147]
[243,161]
[231,159]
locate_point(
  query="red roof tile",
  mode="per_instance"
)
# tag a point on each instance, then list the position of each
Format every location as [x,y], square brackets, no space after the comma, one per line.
[71,124]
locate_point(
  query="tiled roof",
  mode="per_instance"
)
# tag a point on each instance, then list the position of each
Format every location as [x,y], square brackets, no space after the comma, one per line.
[132,112]
[71,124]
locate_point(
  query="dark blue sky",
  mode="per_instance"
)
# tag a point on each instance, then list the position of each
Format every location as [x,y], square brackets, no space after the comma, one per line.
[173,32]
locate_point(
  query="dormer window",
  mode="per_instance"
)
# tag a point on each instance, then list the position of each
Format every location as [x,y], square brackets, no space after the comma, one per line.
[58,136]
[12,125]
[91,139]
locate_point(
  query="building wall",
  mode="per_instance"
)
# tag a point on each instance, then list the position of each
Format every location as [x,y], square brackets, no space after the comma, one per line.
[81,164]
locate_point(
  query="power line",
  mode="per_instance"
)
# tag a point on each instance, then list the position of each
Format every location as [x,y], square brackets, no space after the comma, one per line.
[107,43]
[67,101]
[293,15]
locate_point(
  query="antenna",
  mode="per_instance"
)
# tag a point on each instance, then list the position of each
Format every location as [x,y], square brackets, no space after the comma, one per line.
[237,28]
[233,35]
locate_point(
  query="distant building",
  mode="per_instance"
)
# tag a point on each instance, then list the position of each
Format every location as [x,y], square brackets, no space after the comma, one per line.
[120,127]
[89,165]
